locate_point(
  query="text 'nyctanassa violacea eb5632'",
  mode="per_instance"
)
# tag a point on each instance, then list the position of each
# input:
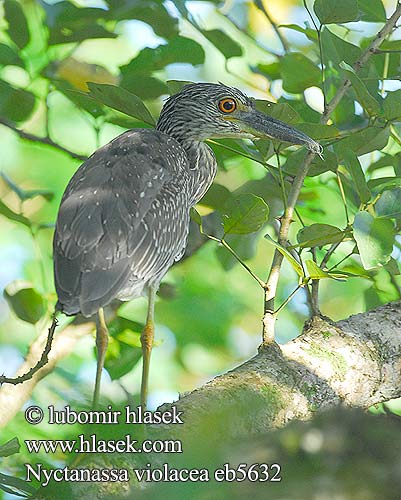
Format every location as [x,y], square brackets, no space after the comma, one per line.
[124,217]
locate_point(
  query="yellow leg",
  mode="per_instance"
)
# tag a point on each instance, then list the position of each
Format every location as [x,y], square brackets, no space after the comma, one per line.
[147,337]
[102,341]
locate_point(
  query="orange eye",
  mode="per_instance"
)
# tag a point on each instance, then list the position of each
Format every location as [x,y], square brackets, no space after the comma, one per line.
[227,105]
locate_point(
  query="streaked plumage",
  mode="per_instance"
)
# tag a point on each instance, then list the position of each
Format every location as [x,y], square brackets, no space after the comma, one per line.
[123,220]
[124,216]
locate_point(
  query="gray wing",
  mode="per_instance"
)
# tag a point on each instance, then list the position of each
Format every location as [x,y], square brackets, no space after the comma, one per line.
[123,218]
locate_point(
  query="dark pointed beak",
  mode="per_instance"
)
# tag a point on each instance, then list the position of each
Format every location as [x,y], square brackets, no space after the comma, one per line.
[262,125]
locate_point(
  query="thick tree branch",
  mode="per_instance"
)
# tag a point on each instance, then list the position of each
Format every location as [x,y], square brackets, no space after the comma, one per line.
[356,362]
[41,140]
[272,282]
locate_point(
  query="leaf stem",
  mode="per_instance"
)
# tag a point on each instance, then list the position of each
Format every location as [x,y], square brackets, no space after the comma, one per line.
[341,187]
[223,242]
[301,285]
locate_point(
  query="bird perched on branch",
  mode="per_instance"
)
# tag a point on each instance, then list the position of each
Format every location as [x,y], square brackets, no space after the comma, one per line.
[124,217]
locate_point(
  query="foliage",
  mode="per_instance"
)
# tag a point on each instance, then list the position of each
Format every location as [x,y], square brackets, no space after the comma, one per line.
[73,77]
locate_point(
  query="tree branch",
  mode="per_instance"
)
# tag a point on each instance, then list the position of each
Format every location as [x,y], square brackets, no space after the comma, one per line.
[13,397]
[372,49]
[269,318]
[41,140]
[356,362]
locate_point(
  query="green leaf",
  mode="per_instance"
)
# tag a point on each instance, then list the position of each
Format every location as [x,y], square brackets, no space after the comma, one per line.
[314,270]
[84,102]
[318,165]
[372,11]
[79,34]
[26,303]
[367,101]
[124,348]
[358,176]
[318,131]
[272,71]
[316,273]
[120,358]
[245,213]
[366,140]
[216,197]
[310,33]
[392,267]
[294,263]
[177,50]
[8,57]
[174,86]
[17,24]
[298,73]
[389,204]
[68,23]
[336,49]
[382,183]
[16,486]
[195,216]
[10,448]
[317,235]
[144,87]
[151,12]
[14,216]
[392,105]
[15,104]
[226,45]
[338,11]
[374,238]
[281,111]
[121,100]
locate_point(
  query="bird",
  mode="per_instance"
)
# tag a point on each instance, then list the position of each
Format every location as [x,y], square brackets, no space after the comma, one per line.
[124,217]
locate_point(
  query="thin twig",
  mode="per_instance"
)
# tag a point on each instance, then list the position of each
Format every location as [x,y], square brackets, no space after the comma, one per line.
[315,289]
[330,252]
[344,200]
[223,242]
[272,282]
[282,184]
[340,261]
[42,140]
[288,298]
[40,364]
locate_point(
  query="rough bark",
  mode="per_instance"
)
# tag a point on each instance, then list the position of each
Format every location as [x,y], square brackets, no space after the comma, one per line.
[356,362]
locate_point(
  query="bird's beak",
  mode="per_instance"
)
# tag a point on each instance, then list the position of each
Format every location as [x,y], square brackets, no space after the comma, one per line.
[261,125]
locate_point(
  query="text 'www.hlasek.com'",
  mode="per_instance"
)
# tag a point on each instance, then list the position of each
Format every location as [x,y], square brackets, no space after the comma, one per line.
[89,443]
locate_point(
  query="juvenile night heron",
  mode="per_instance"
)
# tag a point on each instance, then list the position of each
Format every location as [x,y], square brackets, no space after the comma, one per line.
[124,216]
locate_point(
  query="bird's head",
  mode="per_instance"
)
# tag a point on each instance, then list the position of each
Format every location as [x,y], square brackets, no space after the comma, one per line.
[205,110]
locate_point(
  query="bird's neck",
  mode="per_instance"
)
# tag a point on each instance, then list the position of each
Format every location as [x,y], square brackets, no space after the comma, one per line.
[202,166]
[201,160]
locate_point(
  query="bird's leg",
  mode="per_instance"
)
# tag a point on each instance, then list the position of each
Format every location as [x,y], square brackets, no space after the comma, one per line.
[147,337]
[102,341]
